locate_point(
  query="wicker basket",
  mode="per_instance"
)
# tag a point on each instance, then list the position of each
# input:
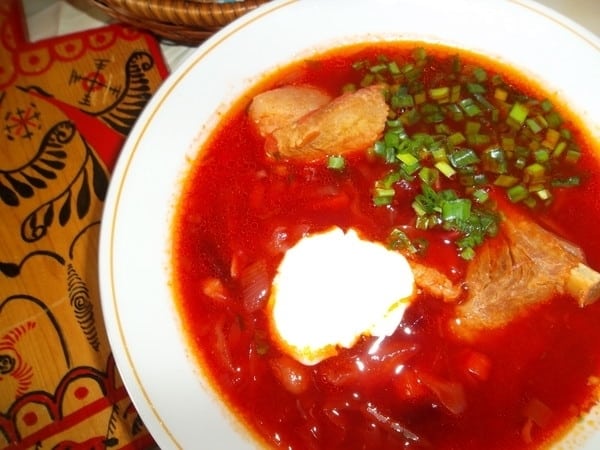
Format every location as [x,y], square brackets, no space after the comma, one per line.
[181,21]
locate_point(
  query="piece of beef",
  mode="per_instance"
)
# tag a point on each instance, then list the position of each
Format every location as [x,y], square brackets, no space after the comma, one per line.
[350,122]
[524,265]
[279,107]
[434,282]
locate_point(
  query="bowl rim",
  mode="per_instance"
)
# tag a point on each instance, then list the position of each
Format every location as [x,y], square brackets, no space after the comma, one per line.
[110,284]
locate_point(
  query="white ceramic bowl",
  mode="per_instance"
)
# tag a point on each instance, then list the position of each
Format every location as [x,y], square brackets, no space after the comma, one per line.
[173,400]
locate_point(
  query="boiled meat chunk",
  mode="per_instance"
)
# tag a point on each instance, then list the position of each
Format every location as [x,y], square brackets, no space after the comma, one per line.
[524,266]
[434,282]
[282,106]
[348,123]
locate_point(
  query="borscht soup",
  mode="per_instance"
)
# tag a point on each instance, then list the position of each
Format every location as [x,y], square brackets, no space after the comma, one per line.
[394,245]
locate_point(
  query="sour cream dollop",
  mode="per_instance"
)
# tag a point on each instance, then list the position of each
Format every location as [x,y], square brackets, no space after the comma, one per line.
[332,288]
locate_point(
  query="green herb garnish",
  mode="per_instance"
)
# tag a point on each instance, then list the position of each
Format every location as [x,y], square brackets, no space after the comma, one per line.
[444,137]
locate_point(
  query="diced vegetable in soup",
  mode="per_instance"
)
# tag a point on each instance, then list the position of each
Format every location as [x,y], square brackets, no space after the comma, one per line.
[394,245]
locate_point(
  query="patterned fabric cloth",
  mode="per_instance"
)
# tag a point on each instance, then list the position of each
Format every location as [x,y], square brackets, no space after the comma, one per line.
[66,106]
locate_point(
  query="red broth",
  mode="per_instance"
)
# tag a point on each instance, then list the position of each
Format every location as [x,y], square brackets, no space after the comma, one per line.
[517,387]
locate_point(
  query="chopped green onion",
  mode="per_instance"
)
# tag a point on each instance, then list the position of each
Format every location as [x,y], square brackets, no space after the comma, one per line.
[553,119]
[410,117]
[455,93]
[546,105]
[383,192]
[367,80]
[566,182]
[530,202]
[501,94]
[541,155]
[435,117]
[508,143]
[407,158]
[336,162]
[447,131]
[378,68]
[440,94]
[566,134]
[419,98]
[494,160]
[391,138]
[445,168]
[402,100]
[480,195]
[393,68]
[478,139]
[430,108]
[487,106]
[388,181]
[379,148]
[533,125]
[506,181]
[480,74]
[410,169]
[559,149]
[443,128]
[467,253]
[475,88]
[517,193]
[456,138]
[463,157]
[456,210]
[454,112]
[534,173]
[439,154]
[480,179]
[411,72]
[518,113]
[399,240]
[428,175]
[472,127]
[383,196]
[551,138]
[418,208]
[497,79]
[419,54]
[572,156]
[544,194]
[469,106]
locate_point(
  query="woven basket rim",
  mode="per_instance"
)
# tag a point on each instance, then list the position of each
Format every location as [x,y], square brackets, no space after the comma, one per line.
[185,21]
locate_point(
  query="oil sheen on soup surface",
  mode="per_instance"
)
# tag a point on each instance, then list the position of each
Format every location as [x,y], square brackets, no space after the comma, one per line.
[394,246]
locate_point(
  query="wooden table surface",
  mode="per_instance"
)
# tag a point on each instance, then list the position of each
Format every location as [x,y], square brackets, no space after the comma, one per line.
[66,103]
